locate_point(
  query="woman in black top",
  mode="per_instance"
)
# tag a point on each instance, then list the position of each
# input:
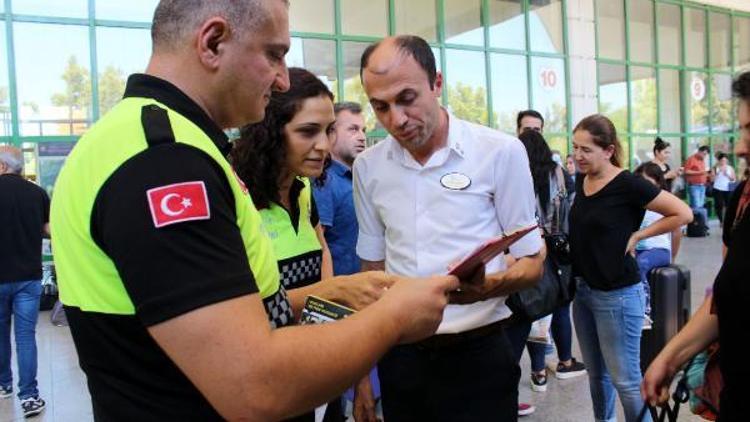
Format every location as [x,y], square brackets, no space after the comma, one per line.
[724,316]
[662,153]
[604,229]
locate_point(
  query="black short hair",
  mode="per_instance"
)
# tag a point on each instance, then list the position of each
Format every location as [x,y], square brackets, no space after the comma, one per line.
[528,113]
[704,148]
[412,45]
[741,86]
[349,106]
[720,156]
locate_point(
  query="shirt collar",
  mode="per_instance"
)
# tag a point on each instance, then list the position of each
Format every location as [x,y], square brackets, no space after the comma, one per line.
[147,86]
[454,145]
[339,168]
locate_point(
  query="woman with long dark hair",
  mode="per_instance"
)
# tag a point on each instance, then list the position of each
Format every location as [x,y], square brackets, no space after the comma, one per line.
[609,305]
[276,159]
[551,194]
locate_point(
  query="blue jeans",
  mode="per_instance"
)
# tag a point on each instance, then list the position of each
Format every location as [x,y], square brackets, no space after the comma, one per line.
[697,196]
[608,324]
[21,300]
[562,334]
[647,260]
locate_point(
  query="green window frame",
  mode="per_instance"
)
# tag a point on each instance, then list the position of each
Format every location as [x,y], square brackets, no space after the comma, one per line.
[713,133]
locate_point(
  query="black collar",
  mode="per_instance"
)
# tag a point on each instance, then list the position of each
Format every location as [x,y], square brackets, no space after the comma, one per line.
[147,86]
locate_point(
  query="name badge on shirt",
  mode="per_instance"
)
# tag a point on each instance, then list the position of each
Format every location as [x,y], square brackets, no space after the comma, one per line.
[455,181]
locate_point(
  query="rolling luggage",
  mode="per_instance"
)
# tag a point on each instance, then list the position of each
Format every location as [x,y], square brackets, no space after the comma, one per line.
[698,227]
[670,309]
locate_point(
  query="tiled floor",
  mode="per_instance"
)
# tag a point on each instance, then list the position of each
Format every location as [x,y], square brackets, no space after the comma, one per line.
[63,386]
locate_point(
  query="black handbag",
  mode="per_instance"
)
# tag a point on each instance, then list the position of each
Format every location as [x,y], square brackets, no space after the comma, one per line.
[552,291]
[555,288]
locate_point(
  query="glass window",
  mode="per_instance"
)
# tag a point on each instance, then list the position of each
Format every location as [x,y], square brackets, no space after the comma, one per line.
[418,17]
[643,99]
[317,56]
[722,109]
[54,98]
[625,158]
[697,102]
[5,117]
[670,120]
[610,23]
[558,144]
[548,93]
[742,39]
[365,17]
[669,33]
[643,151]
[695,33]
[120,52]
[509,89]
[721,40]
[545,26]
[507,25]
[463,22]
[466,85]
[311,16]
[131,10]
[353,90]
[641,31]
[61,8]
[613,95]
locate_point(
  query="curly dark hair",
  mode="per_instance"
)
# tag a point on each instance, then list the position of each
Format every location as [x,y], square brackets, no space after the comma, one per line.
[540,162]
[258,155]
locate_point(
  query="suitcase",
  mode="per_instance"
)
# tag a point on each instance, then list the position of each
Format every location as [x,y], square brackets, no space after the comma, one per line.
[698,227]
[670,309]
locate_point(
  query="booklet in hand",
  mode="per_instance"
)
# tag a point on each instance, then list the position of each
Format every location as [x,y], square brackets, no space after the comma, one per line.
[318,311]
[485,252]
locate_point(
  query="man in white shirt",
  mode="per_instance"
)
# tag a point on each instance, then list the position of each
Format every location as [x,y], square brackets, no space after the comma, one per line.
[425,196]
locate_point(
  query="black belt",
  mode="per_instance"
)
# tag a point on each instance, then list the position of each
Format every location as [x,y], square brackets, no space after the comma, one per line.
[441,341]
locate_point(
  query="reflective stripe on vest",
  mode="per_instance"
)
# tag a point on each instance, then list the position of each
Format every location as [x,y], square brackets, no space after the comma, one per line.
[87,277]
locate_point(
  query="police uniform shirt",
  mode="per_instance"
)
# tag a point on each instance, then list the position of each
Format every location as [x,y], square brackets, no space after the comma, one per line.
[165,222]
[295,241]
[420,219]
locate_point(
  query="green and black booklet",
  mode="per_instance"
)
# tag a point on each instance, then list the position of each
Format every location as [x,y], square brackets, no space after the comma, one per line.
[319,311]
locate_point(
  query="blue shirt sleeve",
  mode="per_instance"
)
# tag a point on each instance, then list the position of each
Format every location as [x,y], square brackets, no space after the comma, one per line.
[324,200]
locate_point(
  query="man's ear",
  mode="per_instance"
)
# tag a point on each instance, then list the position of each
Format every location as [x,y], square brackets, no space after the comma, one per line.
[438,85]
[213,34]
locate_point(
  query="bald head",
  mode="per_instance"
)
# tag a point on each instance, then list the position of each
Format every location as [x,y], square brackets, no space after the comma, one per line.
[175,21]
[11,160]
[391,51]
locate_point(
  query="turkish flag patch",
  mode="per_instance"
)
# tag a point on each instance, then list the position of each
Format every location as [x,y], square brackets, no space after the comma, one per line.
[178,202]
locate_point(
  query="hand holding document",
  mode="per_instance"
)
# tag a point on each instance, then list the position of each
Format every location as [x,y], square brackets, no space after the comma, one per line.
[484,253]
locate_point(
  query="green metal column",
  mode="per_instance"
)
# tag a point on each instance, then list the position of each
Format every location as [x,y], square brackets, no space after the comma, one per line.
[94,63]
[12,87]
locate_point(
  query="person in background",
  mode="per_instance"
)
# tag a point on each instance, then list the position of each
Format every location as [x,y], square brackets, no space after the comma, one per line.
[655,251]
[662,153]
[724,315]
[529,120]
[551,196]
[24,212]
[339,221]
[696,177]
[724,177]
[609,305]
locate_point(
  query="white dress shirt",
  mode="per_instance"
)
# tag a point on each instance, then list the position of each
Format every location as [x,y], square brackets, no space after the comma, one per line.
[409,217]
